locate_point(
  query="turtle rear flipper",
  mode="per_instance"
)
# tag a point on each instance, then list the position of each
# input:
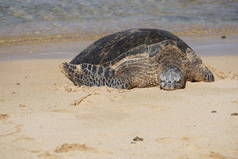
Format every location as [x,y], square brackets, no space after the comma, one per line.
[93,75]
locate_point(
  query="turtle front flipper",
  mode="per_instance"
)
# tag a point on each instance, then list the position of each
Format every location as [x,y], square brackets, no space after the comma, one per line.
[93,75]
[200,73]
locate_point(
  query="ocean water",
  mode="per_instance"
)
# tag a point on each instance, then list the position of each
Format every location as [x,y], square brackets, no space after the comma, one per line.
[46,17]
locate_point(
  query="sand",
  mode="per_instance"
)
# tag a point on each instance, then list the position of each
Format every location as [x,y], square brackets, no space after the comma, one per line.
[43,115]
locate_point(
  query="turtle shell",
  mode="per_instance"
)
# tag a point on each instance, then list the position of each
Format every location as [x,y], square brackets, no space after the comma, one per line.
[112,46]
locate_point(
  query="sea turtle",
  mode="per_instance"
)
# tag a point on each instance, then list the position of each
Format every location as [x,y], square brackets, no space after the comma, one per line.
[137,58]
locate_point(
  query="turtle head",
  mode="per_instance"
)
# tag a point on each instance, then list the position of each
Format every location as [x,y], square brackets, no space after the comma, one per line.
[172,78]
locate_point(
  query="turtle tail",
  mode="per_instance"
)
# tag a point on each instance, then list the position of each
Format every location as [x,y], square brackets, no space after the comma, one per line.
[93,75]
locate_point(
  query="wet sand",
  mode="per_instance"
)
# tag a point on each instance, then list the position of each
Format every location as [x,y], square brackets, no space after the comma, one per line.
[204,46]
[43,115]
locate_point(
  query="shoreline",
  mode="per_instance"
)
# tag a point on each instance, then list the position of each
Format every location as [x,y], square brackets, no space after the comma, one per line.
[41,38]
[203,46]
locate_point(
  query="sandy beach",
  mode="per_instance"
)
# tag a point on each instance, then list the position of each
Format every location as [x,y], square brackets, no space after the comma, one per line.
[43,115]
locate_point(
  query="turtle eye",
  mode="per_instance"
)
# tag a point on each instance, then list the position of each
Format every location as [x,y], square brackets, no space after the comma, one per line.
[162,77]
[177,78]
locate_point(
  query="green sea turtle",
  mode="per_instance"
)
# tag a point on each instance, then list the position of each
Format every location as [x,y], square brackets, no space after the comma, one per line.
[137,58]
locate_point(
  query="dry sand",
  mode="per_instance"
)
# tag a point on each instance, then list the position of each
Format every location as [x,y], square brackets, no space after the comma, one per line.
[42,115]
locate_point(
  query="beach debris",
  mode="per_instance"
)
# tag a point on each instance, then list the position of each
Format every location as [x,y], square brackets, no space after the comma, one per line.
[22,105]
[214,111]
[4,116]
[47,155]
[223,36]
[18,83]
[68,89]
[234,114]
[235,101]
[137,139]
[216,155]
[78,102]
[13,92]
[74,147]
